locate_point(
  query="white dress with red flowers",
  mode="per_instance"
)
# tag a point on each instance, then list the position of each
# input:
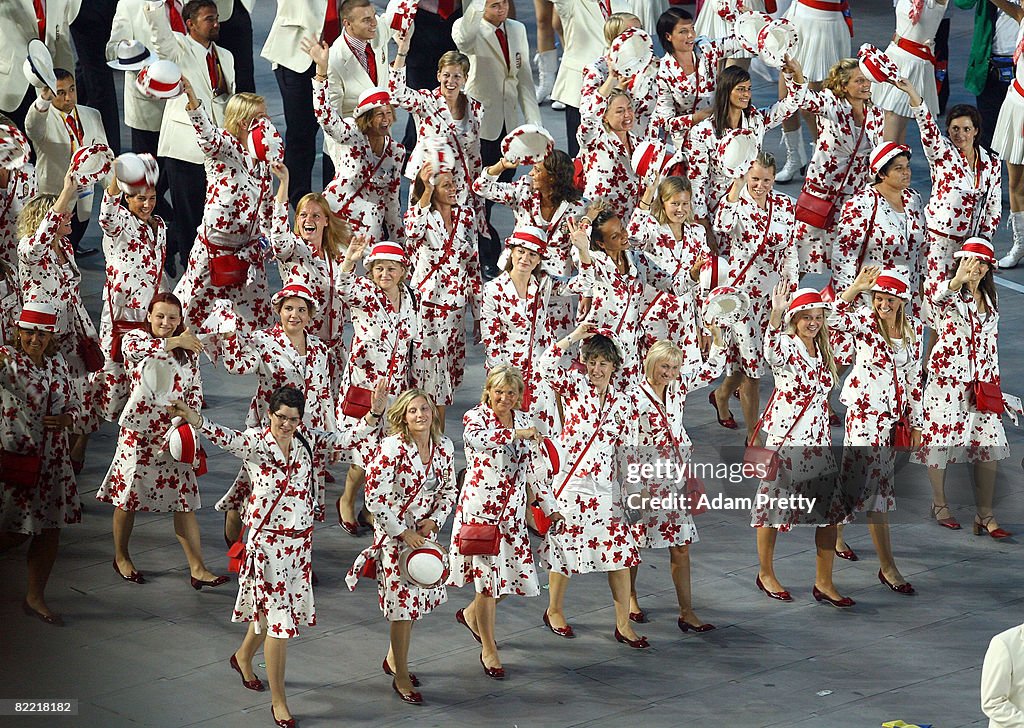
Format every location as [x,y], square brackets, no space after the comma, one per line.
[597,436]
[143,476]
[27,394]
[499,468]
[401,491]
[606,161]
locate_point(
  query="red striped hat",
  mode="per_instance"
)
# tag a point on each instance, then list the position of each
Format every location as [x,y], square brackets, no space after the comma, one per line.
[877,66]
[885,151]
[894,282]
[977,248]
[264,141]
[296,289]
[387,250]
[160,80]
[803,299]
[372,98]
[38,315]
[715,272]
[183,442]
[529,237]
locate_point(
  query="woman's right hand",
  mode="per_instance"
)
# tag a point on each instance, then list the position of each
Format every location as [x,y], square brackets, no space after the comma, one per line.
[780,298]
[412,538]
[177,408]
[968,270]
[186,87]
[280,171]
[908,88]
[356,248]
[185,340]
[528,433]
[318,51]
[582,332]
[866,278]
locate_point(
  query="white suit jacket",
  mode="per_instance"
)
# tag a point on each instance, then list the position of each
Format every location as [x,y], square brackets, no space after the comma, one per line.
[140,112]
[1002,680]
[295,20]
[583,29]
[505,91]
[347,79]
[52,141]
[18,20]
[177,135]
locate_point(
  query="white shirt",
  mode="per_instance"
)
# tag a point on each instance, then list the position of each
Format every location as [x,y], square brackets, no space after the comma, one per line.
[1004,40]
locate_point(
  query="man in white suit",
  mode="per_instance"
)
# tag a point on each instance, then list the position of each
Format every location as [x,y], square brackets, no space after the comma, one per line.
[211,71]
[21,23]
[58,127]
[296,20]
[501,79]
[1002,680]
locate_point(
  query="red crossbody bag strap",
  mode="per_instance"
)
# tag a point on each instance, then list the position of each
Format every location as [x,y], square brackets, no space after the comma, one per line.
[760,248]
[572,470]
[442,260]
[406,505]
[668,425]
[528,369]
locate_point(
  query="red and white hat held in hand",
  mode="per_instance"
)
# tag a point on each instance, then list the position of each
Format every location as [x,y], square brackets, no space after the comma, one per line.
[135,172]
[631,53]
[650,159]
[527,144]
[183,442]
[14,147]
[370,99]
[748,27]
[91,164]
[876,65]
[737,150]
[38,316]
[776,40]
[264,142]
[977,248]
[160,80]
[885,151]
[403,14]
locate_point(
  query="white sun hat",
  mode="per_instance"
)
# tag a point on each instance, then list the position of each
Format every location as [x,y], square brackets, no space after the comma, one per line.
[527,144]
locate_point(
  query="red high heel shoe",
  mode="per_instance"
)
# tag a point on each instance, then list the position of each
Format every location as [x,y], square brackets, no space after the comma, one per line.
[640,644]
[198,584]
[387,671]
[351,528]
[729,422]
[460,617]
[782,596]
[565,631]
[904,588]
[254,684]
[413,698]
[495,673]
[950,522]
[282,722]
[638,617]
[135,576]
[820,596]
[981,527]
[54,619]
[848,554]
[686,626]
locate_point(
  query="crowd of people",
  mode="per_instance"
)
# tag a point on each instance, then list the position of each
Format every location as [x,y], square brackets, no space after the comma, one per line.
[651,258]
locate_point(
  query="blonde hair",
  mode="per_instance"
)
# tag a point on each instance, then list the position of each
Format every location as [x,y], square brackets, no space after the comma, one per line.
[616,24]
[32,214]
[901,321]
[240,111]
[373,264]
[337,234]
[363,120]
[661,351]
[502,375]
[454,58]
[396,415]
[820,340]
[669,188]
[615,93]
[839,75]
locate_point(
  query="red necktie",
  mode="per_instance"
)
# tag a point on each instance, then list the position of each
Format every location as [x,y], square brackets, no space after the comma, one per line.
[503,41]
[40,6]
[770,6]
[445,8]
[332,23]
[174,15]
[211,66]
[606,8]
[371,63]
[75,130]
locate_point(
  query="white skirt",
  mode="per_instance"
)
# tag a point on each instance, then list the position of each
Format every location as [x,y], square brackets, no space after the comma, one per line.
[919,72]
[1008,137]
[824,39]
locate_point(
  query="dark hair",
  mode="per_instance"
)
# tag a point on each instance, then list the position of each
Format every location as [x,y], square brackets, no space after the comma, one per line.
[885,167]
[972,113]
[347,6]
[602,346]
[180,355]
[667,23]
[597,222]
[287,397]
[559,167]
[728,79]
[192,8]
[63,74]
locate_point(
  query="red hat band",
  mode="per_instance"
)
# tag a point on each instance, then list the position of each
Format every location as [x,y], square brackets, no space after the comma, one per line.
[806,299]
[892,284]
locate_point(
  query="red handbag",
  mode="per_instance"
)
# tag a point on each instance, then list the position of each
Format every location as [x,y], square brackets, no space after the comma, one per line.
[119,329]
[988,397]
[817,208]
[235,554]
[541,522]
[765,460]
[91,353]
[479,539]
[900,436]
[228,270]
[20,470]
[695,491]
[356,402]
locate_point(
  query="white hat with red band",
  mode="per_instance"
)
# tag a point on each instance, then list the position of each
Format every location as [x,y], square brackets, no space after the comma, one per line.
[877,66]
[737,150]
[650,155]
[295,288]
[264,141]
[726,305]
[894,282]
[372,98]
[715,272]
[885,151]
[748,27]
[160,80]
[136,171]
[776,40]
[387,250]
[439,155]
[529,237]
[527,144]
[131,55]
[14,147]
[91,164]
[977,248]
[804,299]
[631,52]
[38,315]
[38,67]
[182,441]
